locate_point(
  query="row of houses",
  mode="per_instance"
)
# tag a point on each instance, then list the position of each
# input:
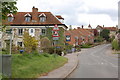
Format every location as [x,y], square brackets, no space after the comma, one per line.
[79,36]
[37,24]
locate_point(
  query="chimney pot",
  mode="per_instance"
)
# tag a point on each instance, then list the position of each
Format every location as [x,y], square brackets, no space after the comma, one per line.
[82,26]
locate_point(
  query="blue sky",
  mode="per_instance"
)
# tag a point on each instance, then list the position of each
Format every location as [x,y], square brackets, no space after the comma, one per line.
[77,12]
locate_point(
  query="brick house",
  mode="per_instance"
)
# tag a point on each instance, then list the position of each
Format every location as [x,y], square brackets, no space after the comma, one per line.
[79,36]
[35,23]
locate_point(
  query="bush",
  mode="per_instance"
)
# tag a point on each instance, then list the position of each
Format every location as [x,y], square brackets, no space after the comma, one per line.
[115,45]
[45,43]
[4,51]
[98,39]
[112,38]
[46,54]
[86,46]
[78,48]
[15,49]
[53,50]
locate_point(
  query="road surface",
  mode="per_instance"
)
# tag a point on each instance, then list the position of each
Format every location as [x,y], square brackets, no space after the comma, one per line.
[96,62]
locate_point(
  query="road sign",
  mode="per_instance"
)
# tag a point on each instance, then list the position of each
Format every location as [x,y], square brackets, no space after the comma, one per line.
[55,34]
[55,28]
[55,38]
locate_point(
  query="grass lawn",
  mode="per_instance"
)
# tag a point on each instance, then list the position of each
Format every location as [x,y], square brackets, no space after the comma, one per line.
[35,65]
[0,76]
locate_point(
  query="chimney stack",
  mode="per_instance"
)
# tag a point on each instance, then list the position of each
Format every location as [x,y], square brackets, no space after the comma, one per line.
[82,26]
[34,14]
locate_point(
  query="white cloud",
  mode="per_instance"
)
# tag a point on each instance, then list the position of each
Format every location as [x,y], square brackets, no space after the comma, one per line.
[101,19]
[77,12]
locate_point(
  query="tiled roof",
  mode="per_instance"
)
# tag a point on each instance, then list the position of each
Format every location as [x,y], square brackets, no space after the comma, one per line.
[59,17]
[80,33]
[19,18]
[110,28]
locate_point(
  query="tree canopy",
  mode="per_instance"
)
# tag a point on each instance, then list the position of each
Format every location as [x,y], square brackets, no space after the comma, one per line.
[105,34]
[8,7]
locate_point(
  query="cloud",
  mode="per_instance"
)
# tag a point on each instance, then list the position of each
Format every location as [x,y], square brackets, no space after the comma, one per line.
[77,12]
[113,13]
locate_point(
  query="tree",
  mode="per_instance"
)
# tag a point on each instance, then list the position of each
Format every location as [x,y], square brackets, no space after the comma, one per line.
[30,43]
[45,43]
[8,7]
[105,34]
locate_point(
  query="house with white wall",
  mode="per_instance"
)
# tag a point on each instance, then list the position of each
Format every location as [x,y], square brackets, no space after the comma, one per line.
[35,23]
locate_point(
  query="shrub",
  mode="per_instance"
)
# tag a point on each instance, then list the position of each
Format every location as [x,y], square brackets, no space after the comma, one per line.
[30,43]
[86,46]
[98,39]
[115,45]
[78,48]
[112,38]
[46,54]
[45,43]
[4,51]
[53,50]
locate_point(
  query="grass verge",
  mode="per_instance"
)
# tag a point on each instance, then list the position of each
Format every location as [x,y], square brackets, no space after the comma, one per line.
[35,65]
[86,46]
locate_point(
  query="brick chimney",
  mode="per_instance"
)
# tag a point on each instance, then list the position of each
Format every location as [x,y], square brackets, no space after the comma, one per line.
[34,14]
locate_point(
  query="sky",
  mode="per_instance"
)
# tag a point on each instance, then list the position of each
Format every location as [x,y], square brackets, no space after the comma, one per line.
[77,12]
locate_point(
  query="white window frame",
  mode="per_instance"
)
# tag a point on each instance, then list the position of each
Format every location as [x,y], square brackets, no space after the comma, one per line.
[27,19]
[32,33]
[10,19]
[42,17]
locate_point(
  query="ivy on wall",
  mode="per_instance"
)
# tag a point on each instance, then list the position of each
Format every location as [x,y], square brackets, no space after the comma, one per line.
[61,33]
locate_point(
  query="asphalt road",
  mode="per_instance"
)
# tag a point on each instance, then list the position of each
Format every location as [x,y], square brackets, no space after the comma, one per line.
[96,62]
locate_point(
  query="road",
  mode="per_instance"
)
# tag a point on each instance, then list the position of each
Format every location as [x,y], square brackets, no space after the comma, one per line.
[96,62]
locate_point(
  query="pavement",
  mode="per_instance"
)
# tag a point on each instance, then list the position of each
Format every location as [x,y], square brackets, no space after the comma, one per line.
[65,70]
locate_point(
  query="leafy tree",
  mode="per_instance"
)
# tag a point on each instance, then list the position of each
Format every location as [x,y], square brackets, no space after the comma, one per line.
[30,43]
[105,34]
[8,7]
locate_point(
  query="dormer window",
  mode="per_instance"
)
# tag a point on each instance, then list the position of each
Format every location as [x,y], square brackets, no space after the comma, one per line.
[27,17]
[42,17]
[10,17]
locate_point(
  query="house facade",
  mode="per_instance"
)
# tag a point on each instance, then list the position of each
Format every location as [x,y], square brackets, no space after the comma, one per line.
[79,36]
[112,30]
[36,23]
